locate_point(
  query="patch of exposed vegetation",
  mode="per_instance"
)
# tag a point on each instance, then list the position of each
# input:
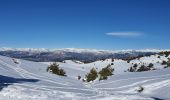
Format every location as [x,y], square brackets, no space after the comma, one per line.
[140,90]
[141,68]
[167,64]
[92,75]
[105,72]
[79,77]
[166,53]
[54,68]
[164,62]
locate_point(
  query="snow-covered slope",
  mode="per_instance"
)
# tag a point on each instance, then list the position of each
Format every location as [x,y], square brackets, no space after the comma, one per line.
[30,81]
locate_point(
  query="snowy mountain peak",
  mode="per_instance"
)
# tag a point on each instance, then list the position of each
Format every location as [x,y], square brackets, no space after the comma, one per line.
[25,49]
[78,50]
[84,55]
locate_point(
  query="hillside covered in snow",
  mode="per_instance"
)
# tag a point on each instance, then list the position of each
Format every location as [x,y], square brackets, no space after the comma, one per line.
[27,80]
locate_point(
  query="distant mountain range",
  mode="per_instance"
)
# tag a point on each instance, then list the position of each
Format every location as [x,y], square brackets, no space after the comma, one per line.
[84,55]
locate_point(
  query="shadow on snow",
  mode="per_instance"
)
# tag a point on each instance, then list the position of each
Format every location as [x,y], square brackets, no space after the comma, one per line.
[6,81]
[157,98]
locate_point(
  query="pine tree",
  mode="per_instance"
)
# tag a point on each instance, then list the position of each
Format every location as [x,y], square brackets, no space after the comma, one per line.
[150,65]
[105,72]
[54,68]
[92,75]
[143,68]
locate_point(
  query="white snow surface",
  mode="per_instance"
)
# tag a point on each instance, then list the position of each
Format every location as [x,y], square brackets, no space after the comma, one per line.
[30,81]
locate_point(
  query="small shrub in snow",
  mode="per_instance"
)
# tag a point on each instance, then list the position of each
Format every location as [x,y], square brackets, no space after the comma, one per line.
[92,75]
[143,68]
[15,61]
[64,61]
[62,72]
[140,89]
[166,53]
[168,64]
[105,72]
[54,68]
[135,66]
[154,69]
[84,80]
[112,59]
[128,61]
[150,65]
[164,62]
[79,77]
[133,69]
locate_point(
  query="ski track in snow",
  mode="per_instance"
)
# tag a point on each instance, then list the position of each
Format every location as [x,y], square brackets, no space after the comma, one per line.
[147,79]
[26,74]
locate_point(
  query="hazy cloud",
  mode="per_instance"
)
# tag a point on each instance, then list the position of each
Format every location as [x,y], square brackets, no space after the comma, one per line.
[125,34]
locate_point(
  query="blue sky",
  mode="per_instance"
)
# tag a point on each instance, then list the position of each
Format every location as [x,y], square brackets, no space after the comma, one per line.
[97,24]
